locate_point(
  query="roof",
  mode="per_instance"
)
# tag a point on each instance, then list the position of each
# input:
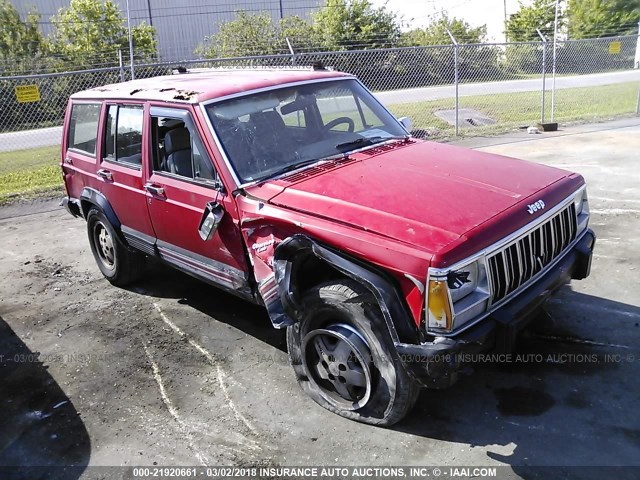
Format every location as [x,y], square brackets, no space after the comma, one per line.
[205,85]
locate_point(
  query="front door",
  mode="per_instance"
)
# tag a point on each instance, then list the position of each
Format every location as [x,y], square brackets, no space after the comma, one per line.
[182,180]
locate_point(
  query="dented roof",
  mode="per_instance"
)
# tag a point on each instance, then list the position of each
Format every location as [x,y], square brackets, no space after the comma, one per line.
[202,86]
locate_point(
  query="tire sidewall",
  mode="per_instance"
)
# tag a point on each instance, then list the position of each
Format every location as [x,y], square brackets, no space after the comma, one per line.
[388,375]
[93,218]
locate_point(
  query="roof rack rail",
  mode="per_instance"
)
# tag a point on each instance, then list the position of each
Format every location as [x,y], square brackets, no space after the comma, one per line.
[315,66]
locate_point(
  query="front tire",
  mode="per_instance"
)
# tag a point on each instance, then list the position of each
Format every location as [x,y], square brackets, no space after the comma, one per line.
[116,261]
[344,359]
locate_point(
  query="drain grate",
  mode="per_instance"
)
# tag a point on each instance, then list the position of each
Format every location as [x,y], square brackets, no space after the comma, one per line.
[467,117]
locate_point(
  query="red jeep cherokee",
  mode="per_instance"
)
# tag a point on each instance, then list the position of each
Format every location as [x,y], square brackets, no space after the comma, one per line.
[384,256]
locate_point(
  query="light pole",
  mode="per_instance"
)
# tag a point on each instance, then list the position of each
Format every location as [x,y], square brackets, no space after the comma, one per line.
[133,75]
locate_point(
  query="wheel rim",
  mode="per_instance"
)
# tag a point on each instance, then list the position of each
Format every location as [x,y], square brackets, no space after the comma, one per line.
[104,245]
[338,360]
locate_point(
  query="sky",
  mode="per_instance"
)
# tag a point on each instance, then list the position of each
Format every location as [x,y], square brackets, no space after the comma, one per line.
[475,12]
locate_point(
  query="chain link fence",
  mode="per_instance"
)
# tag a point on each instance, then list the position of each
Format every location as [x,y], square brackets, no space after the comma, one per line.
[446,90]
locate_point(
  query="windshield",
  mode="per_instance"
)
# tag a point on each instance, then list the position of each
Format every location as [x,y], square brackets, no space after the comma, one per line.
[266,134]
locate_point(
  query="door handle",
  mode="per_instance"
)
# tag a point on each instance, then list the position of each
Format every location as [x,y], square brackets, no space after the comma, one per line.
[105,174]
[68,160]
[156,190]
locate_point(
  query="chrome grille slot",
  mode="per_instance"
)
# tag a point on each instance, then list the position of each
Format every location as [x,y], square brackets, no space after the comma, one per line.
[516,263]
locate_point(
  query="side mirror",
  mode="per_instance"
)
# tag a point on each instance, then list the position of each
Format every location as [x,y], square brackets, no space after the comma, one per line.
[211,218]
[406,123]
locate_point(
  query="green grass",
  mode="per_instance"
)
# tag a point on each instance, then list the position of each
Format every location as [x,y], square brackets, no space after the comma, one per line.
[512,110]
[29,173]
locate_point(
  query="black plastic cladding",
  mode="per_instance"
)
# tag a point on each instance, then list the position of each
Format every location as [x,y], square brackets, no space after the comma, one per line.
[94,197]
[288,255]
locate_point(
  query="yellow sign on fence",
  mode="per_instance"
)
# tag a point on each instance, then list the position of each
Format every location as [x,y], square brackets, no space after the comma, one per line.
[27,93]
[615,47]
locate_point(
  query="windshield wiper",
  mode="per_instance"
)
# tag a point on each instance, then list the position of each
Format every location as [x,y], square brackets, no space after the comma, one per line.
[288,168]
[365,142]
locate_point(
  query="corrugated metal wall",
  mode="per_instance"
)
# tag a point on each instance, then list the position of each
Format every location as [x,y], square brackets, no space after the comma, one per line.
[181,25]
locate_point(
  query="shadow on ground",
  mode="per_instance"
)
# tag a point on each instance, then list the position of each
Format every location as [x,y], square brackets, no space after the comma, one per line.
[166,282]
[39,426]
[561,400]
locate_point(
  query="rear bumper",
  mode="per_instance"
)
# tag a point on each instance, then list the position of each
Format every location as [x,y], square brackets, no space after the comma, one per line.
[436,364]
[72,205]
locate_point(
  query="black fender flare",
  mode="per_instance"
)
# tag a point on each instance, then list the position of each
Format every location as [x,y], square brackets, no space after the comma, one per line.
[95,198]
[398,320]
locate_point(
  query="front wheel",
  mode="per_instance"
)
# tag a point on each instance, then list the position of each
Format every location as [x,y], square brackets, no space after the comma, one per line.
[344,359]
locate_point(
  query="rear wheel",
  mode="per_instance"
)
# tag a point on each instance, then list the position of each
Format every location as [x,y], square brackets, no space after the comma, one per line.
[116,261]
[343,356]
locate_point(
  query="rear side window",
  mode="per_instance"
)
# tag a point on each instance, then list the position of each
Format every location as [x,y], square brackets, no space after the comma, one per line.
[123,135]
[83,127]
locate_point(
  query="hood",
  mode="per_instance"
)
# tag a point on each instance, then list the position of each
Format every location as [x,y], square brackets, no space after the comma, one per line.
[426,194]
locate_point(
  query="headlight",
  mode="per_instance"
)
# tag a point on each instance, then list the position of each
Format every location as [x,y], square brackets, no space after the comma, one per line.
[581,204]
[456,296]
[463,281]
[579,200]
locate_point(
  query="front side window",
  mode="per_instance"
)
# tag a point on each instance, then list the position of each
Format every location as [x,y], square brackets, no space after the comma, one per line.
[83,127]
[178,150]
[266,134]
[123,134]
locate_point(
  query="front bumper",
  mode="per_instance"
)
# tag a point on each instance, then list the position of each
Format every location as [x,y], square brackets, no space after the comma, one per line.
[436,364]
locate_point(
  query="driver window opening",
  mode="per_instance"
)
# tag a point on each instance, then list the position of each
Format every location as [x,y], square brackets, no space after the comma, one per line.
[178,151]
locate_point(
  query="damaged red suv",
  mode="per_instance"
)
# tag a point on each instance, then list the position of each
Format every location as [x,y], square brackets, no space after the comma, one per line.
[384,256]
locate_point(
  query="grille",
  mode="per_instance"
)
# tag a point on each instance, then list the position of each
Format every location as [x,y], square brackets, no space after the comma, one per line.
[522,259]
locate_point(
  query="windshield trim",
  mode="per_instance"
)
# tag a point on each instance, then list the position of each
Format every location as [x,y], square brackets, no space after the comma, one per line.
[223,153]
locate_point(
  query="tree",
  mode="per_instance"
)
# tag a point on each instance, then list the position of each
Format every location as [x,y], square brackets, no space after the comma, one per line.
[355,25]
[246,35]
[436,32]
[301,33]
[522,25]
[339,25]
[257,34]
[603,18]
[90,32]
[19,39]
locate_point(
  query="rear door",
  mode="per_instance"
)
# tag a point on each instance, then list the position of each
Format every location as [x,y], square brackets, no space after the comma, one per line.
[80,146]
[182,181]
[120,170]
